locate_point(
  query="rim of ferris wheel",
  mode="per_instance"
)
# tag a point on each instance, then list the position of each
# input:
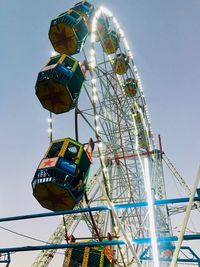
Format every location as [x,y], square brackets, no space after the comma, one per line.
[106,12]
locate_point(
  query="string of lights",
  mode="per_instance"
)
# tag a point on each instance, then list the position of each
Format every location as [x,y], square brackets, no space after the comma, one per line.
[145,166]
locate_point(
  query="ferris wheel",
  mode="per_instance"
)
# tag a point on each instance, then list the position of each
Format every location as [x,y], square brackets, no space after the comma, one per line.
[118,171]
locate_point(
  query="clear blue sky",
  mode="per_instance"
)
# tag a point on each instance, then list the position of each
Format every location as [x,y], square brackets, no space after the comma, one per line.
[164,37]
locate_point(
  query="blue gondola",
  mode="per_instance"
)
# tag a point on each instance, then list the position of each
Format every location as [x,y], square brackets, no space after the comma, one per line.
[86,10]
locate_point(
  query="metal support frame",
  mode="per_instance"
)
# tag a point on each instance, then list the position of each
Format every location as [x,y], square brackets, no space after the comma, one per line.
[144,256]
[139,241]
[185,220]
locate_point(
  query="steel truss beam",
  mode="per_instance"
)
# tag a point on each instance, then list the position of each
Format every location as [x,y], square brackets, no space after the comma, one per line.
[194,259]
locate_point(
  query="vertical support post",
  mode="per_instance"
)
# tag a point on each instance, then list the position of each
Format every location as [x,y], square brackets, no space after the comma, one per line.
[160,145]
[76,121]
[151,212]
[127,240]
[185,220]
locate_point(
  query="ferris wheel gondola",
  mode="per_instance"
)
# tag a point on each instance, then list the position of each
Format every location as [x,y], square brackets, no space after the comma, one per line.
[59,84]
[61,177]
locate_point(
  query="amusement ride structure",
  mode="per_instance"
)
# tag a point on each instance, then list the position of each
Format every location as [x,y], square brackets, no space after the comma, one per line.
[108,178]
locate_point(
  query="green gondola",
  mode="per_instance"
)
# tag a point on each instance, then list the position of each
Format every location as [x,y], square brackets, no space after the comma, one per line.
[59,84]
[87,257]
[60,179]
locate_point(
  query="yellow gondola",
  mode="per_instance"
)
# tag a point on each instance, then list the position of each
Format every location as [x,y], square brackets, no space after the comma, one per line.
[68,32]
[110,42]
[130,87]
[120,64]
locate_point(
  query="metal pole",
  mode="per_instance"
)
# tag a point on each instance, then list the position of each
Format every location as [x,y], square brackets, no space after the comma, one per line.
[185,220]
[139,241]
[99,208]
